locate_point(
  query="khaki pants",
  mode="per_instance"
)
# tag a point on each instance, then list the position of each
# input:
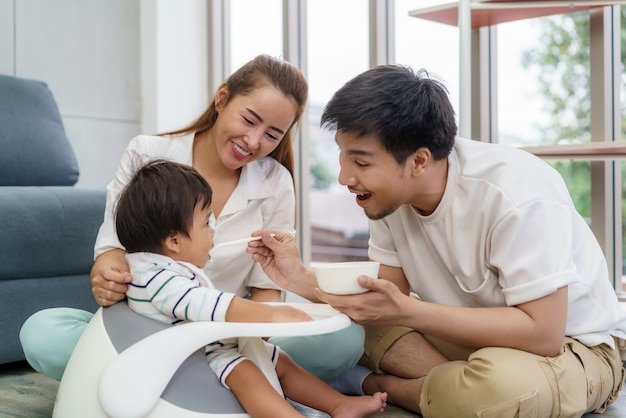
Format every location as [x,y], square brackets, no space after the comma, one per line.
[503,382]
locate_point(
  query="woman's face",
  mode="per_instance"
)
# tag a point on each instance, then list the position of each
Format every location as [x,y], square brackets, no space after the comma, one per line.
[252,126]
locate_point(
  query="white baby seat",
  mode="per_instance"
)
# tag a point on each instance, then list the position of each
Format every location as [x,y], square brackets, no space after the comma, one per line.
[129,366]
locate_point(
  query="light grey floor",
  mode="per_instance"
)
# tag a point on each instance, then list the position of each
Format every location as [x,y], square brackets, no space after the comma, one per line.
[27,394]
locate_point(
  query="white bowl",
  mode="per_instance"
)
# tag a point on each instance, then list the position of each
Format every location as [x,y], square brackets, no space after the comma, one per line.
[341,278]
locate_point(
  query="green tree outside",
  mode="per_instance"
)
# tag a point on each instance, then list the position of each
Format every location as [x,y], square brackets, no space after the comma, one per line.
[321,176]
[563,63]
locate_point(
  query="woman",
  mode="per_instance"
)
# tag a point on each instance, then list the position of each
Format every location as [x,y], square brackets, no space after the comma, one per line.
[242,145]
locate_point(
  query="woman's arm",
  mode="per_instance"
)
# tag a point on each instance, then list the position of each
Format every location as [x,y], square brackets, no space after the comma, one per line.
[109,277]
[110,273]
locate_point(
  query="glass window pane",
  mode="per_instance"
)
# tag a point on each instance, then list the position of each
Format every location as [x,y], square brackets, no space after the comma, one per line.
[543,80]
[543,91]
[422,43]
[337,51]
[621,286]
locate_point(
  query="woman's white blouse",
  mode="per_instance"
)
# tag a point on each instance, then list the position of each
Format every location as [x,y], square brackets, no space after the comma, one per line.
[263,199]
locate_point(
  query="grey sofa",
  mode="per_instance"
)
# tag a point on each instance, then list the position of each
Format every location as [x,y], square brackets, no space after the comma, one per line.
[47,225]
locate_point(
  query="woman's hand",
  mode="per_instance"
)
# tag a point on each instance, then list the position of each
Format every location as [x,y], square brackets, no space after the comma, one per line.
[109,277]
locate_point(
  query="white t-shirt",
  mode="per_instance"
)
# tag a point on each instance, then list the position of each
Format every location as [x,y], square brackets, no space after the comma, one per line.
[505,232]
[263,199]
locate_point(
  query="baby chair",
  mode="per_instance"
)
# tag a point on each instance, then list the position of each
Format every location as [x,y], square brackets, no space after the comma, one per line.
[129,366]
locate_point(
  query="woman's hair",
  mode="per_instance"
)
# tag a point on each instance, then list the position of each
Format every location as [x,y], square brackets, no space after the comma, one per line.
[404,110]
[259,72]
[159,200]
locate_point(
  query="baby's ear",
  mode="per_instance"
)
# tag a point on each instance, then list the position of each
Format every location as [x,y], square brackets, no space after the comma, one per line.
[171,244]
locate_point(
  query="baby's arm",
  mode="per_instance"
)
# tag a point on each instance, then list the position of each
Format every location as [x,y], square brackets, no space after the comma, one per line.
[166,295]
[181,298]
[244,310]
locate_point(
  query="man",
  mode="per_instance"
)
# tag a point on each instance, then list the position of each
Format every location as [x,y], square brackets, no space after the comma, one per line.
[496,300]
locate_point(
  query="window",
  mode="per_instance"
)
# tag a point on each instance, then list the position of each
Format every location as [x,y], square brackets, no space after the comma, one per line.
[338,49]
[621,285]
[544,91]
[543,95]
[421,43]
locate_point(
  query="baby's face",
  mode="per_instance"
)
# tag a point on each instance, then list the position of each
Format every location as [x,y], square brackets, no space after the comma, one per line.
[196,249]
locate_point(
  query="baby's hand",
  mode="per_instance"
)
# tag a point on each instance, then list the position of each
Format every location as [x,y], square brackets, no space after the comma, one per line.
[290,314]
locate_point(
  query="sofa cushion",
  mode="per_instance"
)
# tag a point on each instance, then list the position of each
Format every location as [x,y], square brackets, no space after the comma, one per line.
[34,149]
[48,231]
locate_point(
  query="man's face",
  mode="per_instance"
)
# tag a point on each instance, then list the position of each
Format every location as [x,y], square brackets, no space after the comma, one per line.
[371,172]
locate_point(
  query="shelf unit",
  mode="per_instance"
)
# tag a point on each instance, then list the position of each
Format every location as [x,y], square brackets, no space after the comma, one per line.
[593,151]
[493,12]
[476,21]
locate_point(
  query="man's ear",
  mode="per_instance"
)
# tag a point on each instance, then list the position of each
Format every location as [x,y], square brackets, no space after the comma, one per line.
[171,244]
[221,97]
[419,161]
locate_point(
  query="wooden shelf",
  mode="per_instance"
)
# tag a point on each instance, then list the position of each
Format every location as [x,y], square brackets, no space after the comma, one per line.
[493,12]
[593,151]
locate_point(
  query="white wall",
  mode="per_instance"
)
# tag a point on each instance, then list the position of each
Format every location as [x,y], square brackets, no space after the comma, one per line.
[88,54]
[117,68]
[175,64]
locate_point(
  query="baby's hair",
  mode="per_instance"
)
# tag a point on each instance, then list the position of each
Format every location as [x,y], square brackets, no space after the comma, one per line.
[159,200]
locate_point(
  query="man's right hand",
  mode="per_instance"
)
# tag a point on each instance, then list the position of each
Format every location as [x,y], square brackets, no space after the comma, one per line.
[279,258]
[278,255]
[109,277]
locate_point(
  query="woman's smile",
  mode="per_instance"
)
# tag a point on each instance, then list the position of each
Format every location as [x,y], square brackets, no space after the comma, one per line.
[240,152]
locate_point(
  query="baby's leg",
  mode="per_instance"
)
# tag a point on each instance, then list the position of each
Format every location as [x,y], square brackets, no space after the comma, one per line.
[255,393]
[303,387]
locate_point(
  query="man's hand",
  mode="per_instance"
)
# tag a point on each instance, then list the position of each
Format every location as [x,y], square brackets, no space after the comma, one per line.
[382,305]
[278,255]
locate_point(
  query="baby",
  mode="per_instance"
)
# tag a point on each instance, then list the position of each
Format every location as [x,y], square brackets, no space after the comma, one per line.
[162,219]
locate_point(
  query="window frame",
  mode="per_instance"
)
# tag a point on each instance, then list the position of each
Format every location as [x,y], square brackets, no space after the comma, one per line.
[477,114]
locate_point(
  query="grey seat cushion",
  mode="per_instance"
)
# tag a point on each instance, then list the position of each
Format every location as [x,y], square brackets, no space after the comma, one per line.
[194,386]
[35,148]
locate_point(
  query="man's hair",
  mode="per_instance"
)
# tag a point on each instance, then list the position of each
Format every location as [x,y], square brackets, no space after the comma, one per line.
[403,109]
[159,200]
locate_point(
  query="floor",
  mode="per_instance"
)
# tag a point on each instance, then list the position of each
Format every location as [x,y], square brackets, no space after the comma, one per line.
[27,394]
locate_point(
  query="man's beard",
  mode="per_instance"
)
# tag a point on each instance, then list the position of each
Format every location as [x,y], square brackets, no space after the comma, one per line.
[379,215]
